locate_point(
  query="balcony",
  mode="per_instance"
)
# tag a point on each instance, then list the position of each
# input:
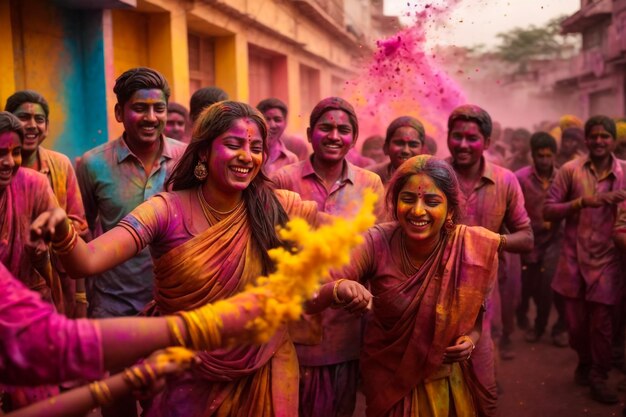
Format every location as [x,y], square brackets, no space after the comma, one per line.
[589,15]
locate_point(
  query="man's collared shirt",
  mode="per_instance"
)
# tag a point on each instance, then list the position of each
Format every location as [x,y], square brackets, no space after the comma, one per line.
[285,157]
[589,265]
[343,196]
[535,188]
[113,182]
[496,201]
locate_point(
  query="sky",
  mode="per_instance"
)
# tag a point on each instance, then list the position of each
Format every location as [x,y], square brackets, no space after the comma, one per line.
[475,22]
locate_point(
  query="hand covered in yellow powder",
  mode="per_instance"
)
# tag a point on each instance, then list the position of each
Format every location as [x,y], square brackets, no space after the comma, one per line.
[149,377]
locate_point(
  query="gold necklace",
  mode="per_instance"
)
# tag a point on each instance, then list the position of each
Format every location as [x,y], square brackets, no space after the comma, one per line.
[211,214]
[406,259]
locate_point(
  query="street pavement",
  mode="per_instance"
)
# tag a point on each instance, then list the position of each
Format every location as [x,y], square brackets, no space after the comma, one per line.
[540,382]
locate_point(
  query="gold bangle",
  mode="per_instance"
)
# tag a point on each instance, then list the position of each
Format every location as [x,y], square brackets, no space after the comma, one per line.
[140,376]
[67,245]
[150,372]
[101,393]
[336,298]
[469,339]
[175,333]
[578,203]
[132,379]
[80,297]
[66,237]
[502,244]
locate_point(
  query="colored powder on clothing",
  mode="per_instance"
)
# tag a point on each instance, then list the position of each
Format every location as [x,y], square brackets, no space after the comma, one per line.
[404,78]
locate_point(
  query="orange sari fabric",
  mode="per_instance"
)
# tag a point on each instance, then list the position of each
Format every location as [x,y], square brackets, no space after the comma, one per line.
[213,265]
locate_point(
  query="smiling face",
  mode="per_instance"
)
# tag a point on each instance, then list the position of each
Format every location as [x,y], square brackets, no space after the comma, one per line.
[35,124]
[466,143]
[276,122]
[144,116]
[175,126]
[10,157]
[235,158]
[422,209]
[332,136]
[403,144]
[600,142]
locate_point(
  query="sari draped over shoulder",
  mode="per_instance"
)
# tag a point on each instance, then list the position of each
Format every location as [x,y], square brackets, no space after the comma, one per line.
[243,380]
[416,317]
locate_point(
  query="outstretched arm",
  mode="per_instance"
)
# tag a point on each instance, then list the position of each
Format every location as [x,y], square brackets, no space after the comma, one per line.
[78,257]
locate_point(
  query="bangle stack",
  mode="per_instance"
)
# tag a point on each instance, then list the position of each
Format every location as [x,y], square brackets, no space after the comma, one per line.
[203,327]
[502,244]
[336,299]
[80,298]
[136,378]
[66,244]
[101,393]
[175,333]
[578,203]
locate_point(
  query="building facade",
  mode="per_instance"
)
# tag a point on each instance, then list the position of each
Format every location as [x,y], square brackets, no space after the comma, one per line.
[71,51]
[596,75]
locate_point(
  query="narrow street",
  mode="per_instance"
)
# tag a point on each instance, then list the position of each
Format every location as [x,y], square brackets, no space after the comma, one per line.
[540,382]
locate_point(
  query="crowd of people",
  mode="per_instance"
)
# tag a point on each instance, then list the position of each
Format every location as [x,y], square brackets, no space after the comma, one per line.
[124,252]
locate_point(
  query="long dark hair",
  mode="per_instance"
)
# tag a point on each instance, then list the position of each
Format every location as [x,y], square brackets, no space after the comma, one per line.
[438,170]
[264,211]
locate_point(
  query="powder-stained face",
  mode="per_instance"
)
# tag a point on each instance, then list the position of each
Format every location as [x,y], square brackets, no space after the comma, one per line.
[332,136]
[600,142]
[35,125]
[569,143]
[175,126]
[276,122]
[143,116]
[422,209]
[10,157]
[236,157]
[405,143]
[466,143]
[543,159]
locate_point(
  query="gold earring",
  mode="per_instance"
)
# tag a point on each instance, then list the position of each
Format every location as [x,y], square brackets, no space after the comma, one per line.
[449,225]
[200,171]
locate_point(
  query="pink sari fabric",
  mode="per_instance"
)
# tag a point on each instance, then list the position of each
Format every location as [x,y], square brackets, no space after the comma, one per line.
[415,317]
[28,195]
[213,265]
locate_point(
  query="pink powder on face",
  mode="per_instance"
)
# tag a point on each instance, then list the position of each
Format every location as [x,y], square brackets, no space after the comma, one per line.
[403,78]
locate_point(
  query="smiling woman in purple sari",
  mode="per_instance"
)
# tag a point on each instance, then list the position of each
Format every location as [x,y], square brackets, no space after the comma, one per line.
[429,277]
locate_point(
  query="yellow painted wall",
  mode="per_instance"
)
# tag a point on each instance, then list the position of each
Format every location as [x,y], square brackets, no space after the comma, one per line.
[41,59]
[7,68]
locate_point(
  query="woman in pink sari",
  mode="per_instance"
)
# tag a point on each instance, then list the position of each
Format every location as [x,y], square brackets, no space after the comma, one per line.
[209,239]
[429,277]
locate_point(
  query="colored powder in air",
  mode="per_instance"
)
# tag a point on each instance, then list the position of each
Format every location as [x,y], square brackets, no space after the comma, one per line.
[403,78]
